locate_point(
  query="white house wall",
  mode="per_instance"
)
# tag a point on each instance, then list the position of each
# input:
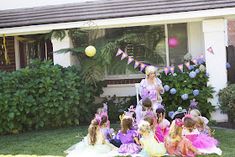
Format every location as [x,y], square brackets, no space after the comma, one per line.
[122,90]
[63,59]
[215,38]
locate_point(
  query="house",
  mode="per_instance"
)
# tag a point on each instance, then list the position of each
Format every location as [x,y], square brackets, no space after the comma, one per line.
[200,26]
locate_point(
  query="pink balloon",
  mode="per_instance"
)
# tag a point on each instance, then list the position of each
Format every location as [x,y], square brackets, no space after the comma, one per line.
[173,42]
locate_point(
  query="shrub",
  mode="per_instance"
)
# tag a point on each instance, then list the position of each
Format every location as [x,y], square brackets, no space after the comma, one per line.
[185,86]
[44,95]
[227,101]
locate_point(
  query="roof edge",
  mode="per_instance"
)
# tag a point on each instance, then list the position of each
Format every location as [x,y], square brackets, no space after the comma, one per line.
[124,22]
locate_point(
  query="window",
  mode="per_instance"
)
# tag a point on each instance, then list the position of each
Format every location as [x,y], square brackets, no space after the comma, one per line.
[145,44]
[149,45]
[177,42]
[34,47]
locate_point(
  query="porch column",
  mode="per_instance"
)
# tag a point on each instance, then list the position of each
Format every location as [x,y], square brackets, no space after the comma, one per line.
[63,59]
[17,53]
[215,38]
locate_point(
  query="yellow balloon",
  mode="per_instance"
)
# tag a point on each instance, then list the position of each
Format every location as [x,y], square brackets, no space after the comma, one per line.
[90,51]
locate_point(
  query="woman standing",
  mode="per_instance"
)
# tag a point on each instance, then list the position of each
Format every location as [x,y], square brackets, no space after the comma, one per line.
[150,88]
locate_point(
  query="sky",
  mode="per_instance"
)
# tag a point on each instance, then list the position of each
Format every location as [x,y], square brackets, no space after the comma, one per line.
[14,4]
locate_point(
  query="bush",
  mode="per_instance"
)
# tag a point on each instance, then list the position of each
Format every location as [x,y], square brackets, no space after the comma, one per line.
[44,95]
[227,101]
[184,84]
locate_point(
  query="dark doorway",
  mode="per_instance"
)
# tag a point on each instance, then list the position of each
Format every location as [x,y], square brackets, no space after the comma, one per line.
[231,60]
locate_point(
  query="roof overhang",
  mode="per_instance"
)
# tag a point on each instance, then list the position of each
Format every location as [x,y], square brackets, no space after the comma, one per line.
[227,13]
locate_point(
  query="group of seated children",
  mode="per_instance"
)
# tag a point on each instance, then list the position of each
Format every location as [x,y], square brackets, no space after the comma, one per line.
[153,136]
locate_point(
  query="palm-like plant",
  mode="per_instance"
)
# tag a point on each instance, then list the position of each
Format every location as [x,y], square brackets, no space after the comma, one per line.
[93,69]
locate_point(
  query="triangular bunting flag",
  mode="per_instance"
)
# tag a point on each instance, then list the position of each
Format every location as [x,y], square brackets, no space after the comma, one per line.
[142,66]
[130,59]
[119,52]
[187,65]
[194,61]
[136,64]
[166,70]
[210,50]
[181,66]
[124,55]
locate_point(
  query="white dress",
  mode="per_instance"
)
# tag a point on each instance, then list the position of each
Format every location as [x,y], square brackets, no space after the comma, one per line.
[84,149]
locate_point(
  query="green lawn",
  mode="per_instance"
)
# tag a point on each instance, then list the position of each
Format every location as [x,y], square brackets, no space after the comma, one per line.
[54,142]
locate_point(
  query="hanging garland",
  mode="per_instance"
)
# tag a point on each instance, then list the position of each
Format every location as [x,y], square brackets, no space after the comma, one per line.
[7,60]
[168,69]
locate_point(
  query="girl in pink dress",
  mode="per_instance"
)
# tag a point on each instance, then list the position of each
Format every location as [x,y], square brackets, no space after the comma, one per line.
[176,144]
[162,125]
[203,142]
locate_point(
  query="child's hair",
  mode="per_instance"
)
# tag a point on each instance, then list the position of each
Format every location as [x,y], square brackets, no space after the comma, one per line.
[126,123]
[176,128]
[103,120]
[199,122]
[149,119]
[144,126]
[195,113]
[147,103]
[92,131]
[160,114]
[189,123]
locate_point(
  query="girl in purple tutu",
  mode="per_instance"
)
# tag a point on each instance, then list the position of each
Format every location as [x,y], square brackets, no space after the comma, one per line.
[204,143]
[128,137]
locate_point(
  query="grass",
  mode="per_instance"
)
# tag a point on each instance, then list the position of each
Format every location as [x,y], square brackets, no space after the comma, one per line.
[54,142]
